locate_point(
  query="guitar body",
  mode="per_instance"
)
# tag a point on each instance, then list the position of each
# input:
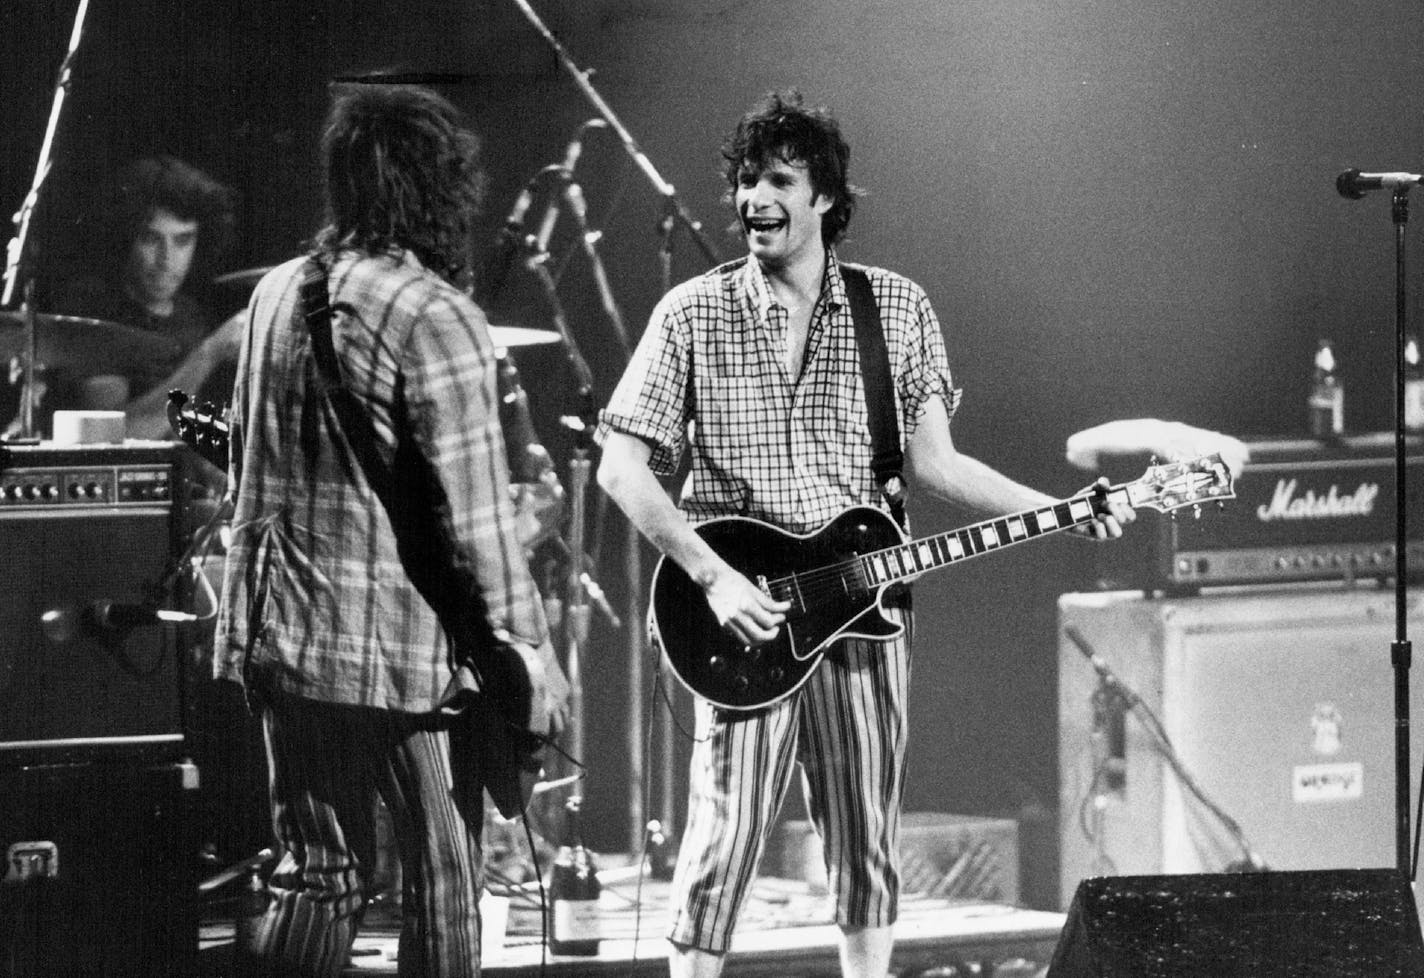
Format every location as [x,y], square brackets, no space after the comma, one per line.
[716,666]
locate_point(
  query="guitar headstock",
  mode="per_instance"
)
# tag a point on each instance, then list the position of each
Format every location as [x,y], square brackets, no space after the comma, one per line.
[201,429]
[1170,486]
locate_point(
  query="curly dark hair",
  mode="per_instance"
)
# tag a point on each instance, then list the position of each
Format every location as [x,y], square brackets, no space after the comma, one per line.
[781,128]
[153,183]
[402,171]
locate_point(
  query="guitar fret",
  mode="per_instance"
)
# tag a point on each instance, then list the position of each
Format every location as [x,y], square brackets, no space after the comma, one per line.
[1047,520]
[955,546]
[990,535]
[926,555]
[1017,530]
[881,568]
[1080,510]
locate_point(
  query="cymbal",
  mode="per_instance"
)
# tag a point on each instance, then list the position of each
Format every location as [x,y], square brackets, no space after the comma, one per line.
[76,341]
[247,277]
[522,336]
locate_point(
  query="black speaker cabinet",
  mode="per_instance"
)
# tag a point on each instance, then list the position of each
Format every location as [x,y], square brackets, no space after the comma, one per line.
[1280,704]
[100,876]
[1326,923]
[82,529]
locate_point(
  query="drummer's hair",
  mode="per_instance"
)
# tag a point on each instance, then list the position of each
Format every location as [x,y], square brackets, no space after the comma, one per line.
[402,171]
[163,182]
[781,128]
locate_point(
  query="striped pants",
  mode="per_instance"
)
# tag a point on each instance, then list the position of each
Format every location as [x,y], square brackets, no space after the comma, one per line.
[846,727]
[327,764]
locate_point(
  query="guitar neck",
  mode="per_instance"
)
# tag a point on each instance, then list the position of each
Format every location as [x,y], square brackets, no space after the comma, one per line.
[895,564]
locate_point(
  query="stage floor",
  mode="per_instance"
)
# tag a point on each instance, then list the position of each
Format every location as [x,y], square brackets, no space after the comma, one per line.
[786,932]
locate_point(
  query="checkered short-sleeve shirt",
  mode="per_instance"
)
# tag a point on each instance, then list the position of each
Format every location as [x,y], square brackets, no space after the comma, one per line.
[709,377]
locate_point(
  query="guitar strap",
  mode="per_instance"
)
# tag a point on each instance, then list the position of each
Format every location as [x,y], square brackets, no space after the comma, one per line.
[887,461]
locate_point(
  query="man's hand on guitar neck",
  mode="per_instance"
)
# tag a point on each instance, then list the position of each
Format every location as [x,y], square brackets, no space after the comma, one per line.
[1113,512]
[743,609]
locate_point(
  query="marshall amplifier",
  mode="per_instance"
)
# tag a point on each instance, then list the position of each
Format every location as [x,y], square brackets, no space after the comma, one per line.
[1304,510]
[88,536]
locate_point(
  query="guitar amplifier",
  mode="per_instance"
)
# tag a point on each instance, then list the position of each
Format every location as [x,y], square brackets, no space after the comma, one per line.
[88,535]
[1305,510]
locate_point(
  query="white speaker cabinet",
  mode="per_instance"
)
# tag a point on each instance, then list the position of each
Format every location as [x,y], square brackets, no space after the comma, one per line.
[1280,704]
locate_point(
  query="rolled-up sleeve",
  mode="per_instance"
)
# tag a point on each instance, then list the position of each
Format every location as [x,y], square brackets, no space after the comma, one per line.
[652,400]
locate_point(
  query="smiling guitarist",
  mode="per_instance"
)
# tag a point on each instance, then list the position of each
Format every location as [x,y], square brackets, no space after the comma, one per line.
[754,372]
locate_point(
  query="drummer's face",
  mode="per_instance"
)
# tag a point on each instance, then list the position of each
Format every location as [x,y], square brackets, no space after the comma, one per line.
[159,259]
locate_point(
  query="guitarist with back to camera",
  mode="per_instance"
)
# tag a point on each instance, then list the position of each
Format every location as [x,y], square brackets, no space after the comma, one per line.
[753,369]
[376,602]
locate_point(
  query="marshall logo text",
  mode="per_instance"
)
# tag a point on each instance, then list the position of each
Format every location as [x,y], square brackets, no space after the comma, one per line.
[1285,504]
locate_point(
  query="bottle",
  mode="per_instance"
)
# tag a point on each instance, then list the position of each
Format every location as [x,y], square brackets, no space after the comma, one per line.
[574,890]
[1413,386]
[1327,396]
[662,851]
[251,905]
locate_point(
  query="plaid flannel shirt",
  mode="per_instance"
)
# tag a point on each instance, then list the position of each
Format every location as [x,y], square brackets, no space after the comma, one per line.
[318,598]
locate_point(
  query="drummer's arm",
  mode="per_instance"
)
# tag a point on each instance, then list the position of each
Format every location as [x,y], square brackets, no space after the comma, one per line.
[148,413]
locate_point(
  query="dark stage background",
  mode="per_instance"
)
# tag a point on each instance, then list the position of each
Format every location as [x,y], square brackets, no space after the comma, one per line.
[1119,210]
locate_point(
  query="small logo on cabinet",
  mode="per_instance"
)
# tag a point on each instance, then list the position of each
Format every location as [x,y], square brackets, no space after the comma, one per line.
[1328,782]
[1325,730]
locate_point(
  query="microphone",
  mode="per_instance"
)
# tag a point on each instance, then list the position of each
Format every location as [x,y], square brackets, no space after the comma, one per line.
[1354,184]
[1110,724]
[566,172]
[62,624]
[506,243]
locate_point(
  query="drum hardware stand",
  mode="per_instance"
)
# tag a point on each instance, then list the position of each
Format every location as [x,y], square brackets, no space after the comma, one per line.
[15,251]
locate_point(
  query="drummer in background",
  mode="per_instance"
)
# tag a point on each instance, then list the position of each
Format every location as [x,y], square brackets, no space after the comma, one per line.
[167,218]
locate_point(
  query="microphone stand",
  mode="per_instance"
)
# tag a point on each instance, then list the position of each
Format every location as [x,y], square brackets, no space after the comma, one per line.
[1401,652]
[576,610]
[674,214]
[674,207]
[15,251]
[633,542]
[1353,185]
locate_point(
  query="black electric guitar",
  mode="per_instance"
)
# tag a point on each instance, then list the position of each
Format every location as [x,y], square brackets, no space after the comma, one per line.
[511,755]
[836,576]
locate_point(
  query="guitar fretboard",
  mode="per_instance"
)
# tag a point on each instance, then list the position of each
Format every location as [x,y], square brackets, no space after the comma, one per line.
[907,560]
[894,564]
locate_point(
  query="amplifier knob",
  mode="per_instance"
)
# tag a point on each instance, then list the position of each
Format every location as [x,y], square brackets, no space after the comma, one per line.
[51,491]
[32,491]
